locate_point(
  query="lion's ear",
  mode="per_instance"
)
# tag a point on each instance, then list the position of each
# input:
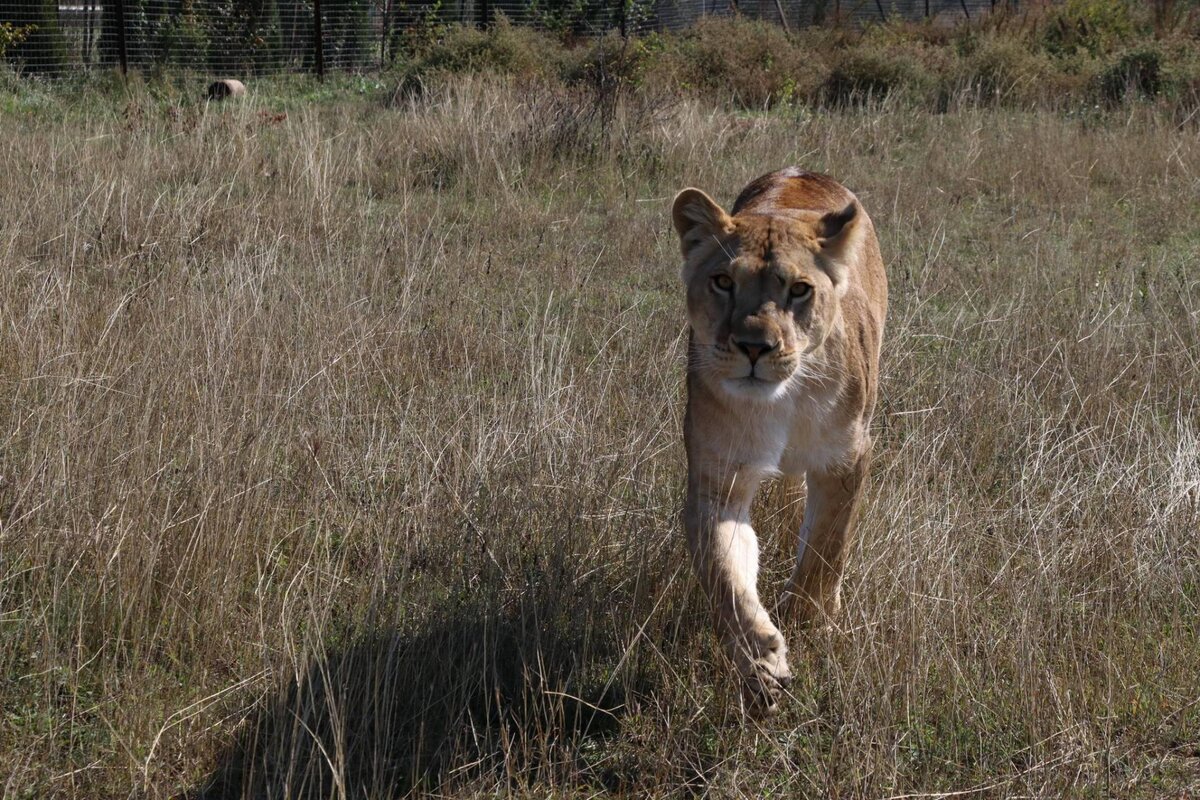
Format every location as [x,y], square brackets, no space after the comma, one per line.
[837,234]
[698,219]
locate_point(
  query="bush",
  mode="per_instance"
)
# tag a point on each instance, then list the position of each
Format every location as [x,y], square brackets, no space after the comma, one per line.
[1005,69]
[502,49]
[1137,72]
[1168,68]
[583,16]
[1094,26]
[752,62]
[610,61]
[876,68]
[32,38]
[756,65]
[11,35]
[181,38]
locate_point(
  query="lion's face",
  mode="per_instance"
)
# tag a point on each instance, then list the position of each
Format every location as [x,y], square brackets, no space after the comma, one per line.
[762,295]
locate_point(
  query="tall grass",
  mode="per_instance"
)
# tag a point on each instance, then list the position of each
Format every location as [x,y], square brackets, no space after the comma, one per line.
[340,455]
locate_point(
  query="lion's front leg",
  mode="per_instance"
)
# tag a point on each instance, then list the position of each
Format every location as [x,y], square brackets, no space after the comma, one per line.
[724,552]
[813,595]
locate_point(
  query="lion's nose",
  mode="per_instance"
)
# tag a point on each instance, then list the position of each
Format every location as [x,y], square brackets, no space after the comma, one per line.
[754,350]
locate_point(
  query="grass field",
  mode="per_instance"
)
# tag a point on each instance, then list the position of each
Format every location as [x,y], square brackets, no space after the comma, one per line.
[340,453]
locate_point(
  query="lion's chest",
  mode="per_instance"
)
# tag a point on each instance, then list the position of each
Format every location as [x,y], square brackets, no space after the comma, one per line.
[819,437]
[789,439]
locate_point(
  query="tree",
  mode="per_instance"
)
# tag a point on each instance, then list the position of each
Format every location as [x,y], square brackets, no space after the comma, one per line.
[43,48]
[244,35]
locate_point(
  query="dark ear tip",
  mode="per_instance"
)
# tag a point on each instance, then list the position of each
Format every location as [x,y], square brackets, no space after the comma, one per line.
[693,207]
[835,222]
[683,199]
[688,198]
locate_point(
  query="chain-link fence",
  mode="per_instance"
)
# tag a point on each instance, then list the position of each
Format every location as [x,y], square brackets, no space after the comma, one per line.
[677,14]
[214,36]
[255,37]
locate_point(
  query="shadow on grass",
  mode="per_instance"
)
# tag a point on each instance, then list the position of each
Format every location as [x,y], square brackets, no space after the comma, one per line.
[511,697]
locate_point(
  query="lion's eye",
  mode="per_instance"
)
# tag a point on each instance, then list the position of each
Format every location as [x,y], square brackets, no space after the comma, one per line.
[801,291]
[723,283]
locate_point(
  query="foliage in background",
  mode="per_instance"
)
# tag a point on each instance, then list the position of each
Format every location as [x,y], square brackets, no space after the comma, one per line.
[1095,26]
[243,37]
[1077,54]
[32,38]
[11,34]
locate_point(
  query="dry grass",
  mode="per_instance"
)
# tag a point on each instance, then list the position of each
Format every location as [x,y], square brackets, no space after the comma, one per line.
[341,456]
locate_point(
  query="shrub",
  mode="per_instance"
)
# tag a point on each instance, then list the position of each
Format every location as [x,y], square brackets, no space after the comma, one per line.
[1137,72]
[753,62]
[181,38]
[1168,68]
[1182,68]
[610,62]
[33,38]
[503,49]
[757,65]
[580,16]
[876,68]
[1004,69]
[11,35]
[1095,26]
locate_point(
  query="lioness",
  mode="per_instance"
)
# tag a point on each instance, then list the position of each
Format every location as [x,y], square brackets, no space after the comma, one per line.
[786,298]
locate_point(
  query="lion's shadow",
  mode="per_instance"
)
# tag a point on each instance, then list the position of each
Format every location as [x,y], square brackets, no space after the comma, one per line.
[393,712]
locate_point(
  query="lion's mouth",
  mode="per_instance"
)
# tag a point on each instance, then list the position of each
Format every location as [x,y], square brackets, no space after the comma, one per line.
[754,382]
[755,378]
[752,387]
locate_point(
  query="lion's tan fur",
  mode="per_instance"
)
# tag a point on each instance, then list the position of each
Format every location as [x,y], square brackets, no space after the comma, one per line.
[782,381]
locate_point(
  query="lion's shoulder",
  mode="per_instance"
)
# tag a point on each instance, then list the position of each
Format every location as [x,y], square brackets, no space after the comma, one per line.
[792,188]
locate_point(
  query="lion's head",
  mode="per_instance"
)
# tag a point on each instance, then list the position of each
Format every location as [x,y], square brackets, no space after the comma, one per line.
[763,289]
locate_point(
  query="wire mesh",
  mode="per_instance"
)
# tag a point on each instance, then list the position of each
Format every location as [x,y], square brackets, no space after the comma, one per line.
[257,37]
[680,14]
[242,37]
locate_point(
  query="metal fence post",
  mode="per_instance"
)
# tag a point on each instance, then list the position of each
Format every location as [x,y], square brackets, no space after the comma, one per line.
[122,52]
[783,18]
[86,50]
[385,32]
[318,40]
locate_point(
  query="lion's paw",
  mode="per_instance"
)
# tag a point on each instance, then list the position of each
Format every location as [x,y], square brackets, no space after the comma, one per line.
[766,677]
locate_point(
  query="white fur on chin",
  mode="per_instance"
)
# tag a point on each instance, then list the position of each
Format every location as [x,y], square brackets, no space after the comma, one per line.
[756,389]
